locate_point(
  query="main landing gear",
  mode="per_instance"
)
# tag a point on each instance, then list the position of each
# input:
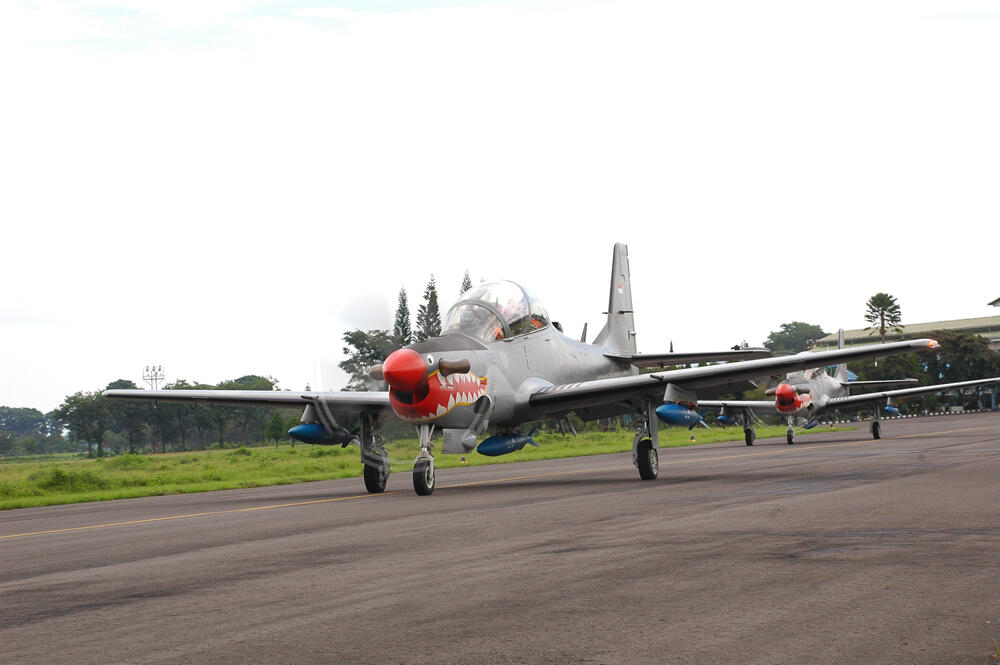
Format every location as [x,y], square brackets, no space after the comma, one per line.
[749,431]
[374,457]
[876,427]
[790,432]
[645,456]
[423,467]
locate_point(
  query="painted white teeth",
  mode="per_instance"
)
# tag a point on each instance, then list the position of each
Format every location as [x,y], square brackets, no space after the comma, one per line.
[451,402]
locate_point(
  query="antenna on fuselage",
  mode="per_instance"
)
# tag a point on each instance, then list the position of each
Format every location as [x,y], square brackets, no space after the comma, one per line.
[583,337]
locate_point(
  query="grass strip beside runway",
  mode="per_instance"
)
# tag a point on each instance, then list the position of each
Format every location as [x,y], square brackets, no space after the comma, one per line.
[40,483]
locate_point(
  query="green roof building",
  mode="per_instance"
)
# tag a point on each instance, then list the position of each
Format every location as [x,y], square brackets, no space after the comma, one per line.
[985,326]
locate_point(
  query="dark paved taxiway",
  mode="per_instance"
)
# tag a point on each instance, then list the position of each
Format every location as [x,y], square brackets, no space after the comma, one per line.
[836,550]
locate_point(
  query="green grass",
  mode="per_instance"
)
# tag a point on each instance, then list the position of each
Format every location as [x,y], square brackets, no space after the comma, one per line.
[71,480]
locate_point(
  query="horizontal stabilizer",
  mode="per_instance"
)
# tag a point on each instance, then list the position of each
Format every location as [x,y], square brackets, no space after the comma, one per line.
[887,382]
[669,359]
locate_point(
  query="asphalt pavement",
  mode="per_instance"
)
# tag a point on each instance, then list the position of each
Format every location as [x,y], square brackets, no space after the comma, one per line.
[838,549]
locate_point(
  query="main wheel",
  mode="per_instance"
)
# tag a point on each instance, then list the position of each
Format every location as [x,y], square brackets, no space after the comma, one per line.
[423,476]
[376,475]
[749,436]
[876,430]
[790,436]
[647,460]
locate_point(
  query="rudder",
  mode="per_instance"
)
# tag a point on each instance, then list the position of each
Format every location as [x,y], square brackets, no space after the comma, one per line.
[619,330]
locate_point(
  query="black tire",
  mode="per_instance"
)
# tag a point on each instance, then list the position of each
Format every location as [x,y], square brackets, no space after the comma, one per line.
[377,476]
[876,430]
[790,436]
[423,477]
[749,436]
[647,460]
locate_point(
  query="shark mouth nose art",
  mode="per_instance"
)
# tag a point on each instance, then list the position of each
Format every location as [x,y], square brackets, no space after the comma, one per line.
[443,393]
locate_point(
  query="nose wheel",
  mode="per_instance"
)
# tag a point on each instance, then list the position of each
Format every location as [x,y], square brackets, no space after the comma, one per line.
[423,467]
[423,476]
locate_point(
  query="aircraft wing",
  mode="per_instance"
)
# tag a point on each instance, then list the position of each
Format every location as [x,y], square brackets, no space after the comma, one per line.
[868,398]
[736,403]
[566,397]
[339,403]
[668,359]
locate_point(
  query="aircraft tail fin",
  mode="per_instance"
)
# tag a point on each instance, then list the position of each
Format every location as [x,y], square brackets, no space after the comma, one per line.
[619,330]
[841,374]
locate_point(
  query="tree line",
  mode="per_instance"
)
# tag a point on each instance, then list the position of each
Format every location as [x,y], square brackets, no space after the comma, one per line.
[86,421]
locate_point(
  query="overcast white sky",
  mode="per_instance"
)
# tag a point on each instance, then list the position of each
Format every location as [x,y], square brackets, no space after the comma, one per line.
[224,188]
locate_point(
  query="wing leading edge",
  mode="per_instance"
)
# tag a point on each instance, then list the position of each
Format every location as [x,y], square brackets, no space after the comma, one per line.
[340,402]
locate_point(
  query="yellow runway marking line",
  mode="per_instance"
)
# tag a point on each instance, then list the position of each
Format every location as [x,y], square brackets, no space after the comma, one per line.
[494,481]
[205,514]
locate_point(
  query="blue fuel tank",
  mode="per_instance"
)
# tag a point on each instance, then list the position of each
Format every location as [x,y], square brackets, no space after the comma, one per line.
[317,434]
[677,414]
[891,410]
[505,443]
[723,419]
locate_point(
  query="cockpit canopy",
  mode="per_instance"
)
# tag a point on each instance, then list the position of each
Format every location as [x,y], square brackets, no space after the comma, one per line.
[494,311]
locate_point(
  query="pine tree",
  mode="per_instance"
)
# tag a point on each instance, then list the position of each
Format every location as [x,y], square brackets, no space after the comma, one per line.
[466,283]
[429,315]
[402,333]
[275,428]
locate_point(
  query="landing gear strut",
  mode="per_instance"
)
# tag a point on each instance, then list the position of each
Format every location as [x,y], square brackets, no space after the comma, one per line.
[374,457]
[423,467]
[790,432]
[876,427]
[749,431]
[645,455]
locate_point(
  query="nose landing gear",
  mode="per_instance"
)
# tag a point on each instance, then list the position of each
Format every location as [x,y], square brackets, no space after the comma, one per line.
[423,467]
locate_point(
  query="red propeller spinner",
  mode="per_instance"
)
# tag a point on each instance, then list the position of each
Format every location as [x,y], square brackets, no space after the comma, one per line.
[404,370]
[785,397]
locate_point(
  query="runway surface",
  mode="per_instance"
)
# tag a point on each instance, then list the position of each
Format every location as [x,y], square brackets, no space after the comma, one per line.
[839,549]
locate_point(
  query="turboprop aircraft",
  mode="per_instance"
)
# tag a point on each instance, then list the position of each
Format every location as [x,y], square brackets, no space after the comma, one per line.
[500,364]
[811,393]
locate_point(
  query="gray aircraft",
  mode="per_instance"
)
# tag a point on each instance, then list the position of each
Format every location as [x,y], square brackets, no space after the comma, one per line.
[811,393]
[500,364]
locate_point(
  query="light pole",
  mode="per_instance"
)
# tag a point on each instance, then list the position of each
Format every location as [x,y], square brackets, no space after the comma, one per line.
[153,374]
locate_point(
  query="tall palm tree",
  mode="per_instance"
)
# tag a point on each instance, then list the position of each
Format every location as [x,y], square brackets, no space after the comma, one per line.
[883,313]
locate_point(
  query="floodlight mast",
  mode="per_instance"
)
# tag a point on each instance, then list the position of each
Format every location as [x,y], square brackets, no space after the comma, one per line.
[153,374]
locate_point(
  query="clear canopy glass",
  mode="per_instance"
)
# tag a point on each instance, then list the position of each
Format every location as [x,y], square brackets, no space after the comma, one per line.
[495,311]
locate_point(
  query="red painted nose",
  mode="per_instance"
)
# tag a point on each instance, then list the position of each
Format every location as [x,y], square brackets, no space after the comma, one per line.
[785,394]
[404,370]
